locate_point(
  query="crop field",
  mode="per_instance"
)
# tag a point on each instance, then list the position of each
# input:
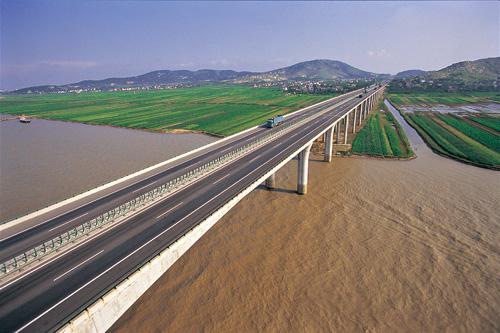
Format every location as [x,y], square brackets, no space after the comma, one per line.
[454,137]
[485,138]
[218,110]
[383,136]
[429,98]
[488,121]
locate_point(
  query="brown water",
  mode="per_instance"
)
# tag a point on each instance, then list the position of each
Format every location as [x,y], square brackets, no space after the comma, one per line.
[44,162]
[376,246]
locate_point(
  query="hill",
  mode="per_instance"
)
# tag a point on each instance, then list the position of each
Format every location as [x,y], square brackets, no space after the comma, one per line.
[322,69]
[409,73]
[478,75]
[304,71]
[470,71]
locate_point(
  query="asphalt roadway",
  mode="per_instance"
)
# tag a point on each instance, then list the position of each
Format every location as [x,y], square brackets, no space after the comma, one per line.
[46,297]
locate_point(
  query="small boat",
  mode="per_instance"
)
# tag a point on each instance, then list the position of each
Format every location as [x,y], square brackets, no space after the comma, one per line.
[24,120]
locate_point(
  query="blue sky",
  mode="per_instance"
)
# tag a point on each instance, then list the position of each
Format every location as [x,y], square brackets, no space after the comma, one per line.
[55,42]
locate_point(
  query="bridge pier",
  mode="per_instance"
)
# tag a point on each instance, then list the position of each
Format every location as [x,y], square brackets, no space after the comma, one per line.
[337,130]
[354,120]
[271,182]
[303,170]
[360,119]
[329,145]
[346,122]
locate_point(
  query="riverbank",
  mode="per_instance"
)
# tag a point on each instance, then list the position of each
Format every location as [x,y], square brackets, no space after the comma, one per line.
[173,131]
[376,245]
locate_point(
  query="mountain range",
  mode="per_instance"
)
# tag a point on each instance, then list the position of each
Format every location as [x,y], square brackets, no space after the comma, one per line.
[482,74]
[309,70]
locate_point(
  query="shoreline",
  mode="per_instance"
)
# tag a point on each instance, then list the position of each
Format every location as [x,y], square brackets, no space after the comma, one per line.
[173,131]
[394,158]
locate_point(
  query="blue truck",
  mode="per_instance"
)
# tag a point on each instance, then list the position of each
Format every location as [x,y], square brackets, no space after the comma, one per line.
[274,121]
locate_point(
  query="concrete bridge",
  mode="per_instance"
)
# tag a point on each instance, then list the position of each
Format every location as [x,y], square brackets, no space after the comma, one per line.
[79,264]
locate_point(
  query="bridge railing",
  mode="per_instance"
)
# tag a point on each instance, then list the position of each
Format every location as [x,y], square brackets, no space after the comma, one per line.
[38,252]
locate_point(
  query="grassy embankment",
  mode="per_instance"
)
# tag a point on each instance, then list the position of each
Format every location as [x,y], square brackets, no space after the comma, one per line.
[473,139]
[218,110]
[382,135]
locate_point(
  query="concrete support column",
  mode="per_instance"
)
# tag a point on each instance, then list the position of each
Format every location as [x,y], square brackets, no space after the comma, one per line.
[360,118]
[337,130]
[346,121]
[271,182]
[303,170]
[354,120]
[329,145]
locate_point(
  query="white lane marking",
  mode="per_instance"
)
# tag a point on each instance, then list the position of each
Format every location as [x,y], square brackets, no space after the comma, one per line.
[60,225]
[180,203]
[253,159]
[83,262]
[129,255]
[227,149]
[218,180]
[145,186]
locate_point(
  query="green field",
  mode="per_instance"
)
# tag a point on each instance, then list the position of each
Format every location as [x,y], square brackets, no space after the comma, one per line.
[488,121]
[219,110]
[485,138]
[452,136]
[383,136]
[429,98]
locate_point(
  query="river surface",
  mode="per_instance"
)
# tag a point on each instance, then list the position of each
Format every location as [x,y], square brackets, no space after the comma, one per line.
[375,246]
[44,162]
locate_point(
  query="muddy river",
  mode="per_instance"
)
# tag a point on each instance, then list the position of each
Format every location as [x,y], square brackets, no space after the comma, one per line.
[44,162]
[376,246]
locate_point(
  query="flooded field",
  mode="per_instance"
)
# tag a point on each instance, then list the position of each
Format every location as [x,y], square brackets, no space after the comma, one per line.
[47,161]
[375,246]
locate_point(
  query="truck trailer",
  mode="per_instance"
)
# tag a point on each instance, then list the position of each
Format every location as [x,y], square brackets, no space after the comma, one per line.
[275,121]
